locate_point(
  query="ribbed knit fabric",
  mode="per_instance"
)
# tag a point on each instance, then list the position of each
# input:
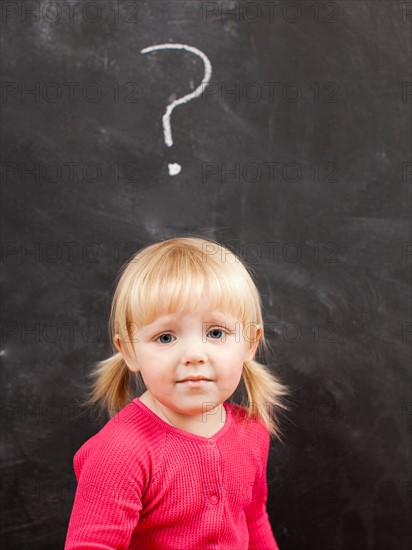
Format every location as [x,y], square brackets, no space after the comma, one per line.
[146,485]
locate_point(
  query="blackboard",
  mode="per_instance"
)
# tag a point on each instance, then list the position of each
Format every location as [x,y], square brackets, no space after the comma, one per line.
[296,155]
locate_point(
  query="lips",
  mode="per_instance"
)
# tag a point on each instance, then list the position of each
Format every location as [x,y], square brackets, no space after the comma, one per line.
[194,379]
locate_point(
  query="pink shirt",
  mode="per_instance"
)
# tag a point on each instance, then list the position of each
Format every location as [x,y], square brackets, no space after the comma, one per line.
[146,485]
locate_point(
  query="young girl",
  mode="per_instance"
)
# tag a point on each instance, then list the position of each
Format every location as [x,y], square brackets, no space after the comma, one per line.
[180,467]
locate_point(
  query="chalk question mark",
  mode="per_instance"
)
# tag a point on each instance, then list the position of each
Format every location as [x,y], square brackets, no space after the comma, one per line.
[175,168]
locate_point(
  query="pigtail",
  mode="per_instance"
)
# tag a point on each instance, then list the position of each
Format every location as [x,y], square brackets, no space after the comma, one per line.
[112,388]
[265,395]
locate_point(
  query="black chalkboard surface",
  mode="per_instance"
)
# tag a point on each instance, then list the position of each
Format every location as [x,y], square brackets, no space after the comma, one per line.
[296,155]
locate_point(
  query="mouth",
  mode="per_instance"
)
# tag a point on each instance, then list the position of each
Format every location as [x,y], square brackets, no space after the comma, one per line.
[194,380]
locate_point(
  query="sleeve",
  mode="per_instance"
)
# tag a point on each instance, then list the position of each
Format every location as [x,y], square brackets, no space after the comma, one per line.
[107,502]
[260,531]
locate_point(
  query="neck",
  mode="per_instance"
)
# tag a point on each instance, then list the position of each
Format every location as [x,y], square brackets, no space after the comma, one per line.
[189,423]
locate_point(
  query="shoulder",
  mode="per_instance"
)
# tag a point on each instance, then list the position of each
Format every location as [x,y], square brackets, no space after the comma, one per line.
[253,429]
[128,439]
[254,423]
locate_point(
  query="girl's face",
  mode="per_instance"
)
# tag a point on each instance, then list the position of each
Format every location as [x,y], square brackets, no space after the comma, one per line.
[198,344]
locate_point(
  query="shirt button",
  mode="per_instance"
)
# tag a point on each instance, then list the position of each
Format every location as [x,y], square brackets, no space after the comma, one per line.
[212,442]
[214,499]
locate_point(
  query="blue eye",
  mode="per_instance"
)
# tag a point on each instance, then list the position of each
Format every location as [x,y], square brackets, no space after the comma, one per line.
[162,335]
[216,330]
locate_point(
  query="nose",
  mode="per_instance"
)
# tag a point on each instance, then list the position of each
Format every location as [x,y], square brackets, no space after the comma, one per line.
[194,354]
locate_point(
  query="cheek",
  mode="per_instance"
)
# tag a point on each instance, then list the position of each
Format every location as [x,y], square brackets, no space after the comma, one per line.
[154,381]
[155,371]
[239,355]
[149,359]
[232,368]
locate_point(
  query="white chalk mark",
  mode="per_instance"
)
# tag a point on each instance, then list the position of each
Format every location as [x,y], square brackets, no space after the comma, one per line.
[174,169]
[167,131]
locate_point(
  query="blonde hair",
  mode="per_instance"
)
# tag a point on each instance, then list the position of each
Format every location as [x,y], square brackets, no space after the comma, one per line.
[181,271]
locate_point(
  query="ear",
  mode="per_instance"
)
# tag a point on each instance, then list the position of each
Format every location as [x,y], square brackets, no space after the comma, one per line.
[132,365]
[253,344]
